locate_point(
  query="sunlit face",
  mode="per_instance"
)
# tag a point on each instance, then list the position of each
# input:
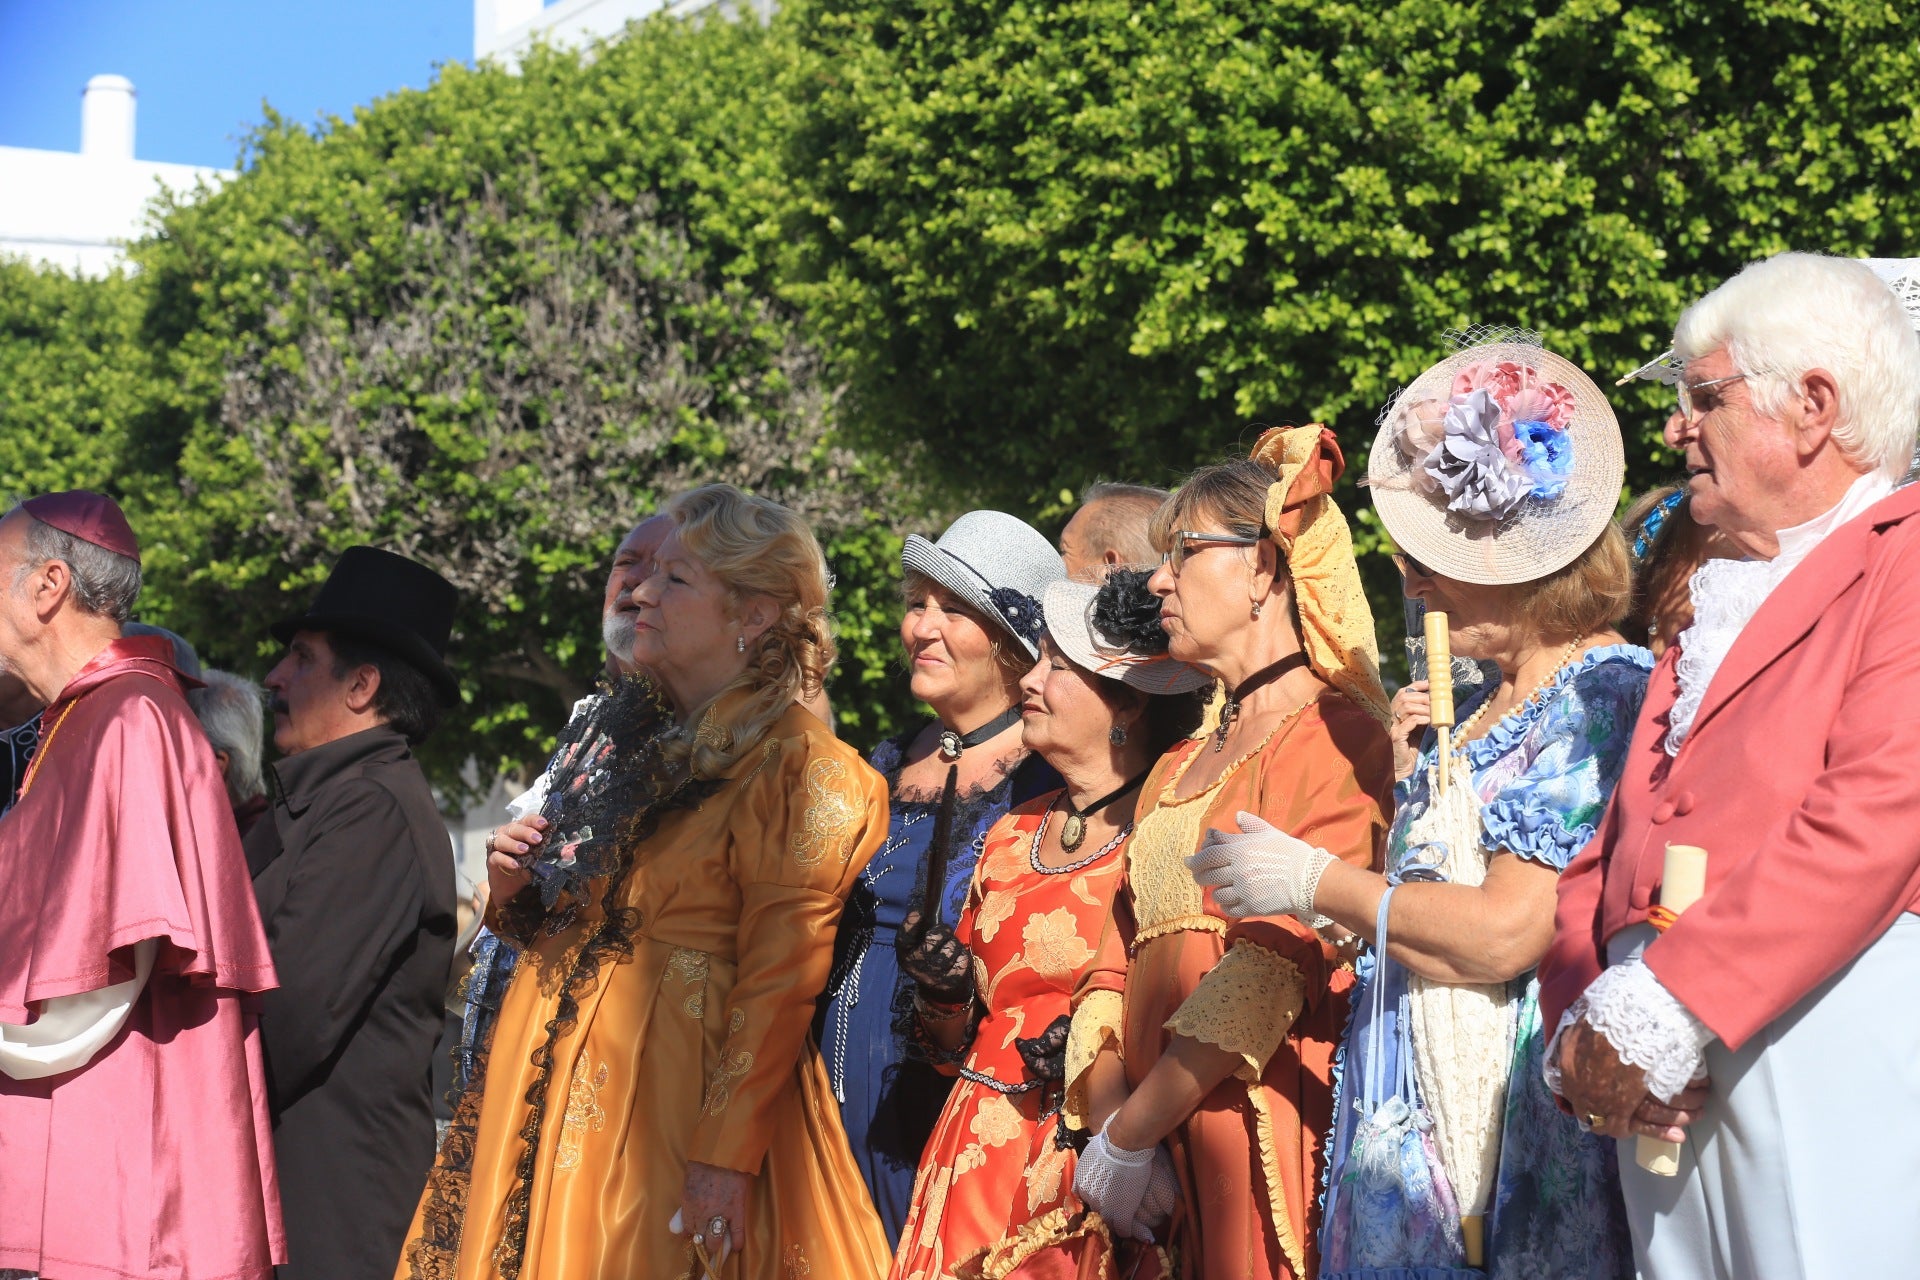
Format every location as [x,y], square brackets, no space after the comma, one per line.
[1062,712]
[18,620]
[632,562]
[950,651]
[685,622]
[1742,466]
[1480,622]
[1208,603]
[308,701]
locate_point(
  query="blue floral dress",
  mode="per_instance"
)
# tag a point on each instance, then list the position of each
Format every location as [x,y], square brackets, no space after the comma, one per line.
[889,1098]
[1543,775]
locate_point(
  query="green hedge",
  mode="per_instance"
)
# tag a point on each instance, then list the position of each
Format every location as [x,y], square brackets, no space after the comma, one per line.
[890,260]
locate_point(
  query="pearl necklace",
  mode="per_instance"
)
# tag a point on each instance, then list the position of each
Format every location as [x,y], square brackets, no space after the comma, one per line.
[1460,730]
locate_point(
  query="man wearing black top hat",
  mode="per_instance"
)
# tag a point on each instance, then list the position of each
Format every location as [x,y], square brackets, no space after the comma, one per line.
[354,877]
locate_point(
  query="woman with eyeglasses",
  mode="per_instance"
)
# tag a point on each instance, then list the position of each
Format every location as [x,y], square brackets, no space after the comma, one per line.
[1202,1044]
[1520,552]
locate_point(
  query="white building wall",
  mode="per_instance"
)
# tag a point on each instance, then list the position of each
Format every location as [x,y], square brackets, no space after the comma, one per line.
[77,210]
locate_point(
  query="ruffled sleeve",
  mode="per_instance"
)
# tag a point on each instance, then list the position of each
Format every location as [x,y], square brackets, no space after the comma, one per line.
[1576,746]
[810,817]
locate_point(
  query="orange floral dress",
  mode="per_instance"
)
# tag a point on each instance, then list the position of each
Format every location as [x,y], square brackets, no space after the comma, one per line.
[993,1161]
[1267,989]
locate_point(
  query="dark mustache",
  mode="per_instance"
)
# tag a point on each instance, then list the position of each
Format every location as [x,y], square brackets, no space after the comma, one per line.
[277,705]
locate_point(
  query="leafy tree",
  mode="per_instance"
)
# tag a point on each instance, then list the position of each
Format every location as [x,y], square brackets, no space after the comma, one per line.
[1103,237]
[73,377]
[489,324]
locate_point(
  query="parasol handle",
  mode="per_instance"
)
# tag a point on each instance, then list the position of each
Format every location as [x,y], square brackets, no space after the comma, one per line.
[1682,884]
[1440,691]
[1473,1239]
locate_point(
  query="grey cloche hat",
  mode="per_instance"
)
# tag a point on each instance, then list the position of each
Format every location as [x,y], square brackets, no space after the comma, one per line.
[1069,611]
[998,565]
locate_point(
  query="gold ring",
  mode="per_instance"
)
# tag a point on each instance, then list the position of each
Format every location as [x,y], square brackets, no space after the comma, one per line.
[1595,1120]
[717,1226]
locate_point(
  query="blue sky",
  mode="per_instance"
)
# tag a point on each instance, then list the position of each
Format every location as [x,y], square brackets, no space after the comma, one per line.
[203,67]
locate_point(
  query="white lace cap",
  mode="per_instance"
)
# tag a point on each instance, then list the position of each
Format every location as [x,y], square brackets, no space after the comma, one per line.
[1545,534]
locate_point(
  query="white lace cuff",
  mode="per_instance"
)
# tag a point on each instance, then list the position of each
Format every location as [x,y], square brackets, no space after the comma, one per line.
[1644,1022]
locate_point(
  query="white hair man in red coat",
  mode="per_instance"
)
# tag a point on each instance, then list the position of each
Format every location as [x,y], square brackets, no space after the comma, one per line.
[1782,735]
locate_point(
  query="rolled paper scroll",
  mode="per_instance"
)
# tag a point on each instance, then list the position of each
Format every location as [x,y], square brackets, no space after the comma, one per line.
[1440,690]
[1682,884]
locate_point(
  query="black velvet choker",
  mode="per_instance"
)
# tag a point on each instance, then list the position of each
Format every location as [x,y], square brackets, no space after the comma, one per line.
[1074,830]
[1230,709]
[952,744]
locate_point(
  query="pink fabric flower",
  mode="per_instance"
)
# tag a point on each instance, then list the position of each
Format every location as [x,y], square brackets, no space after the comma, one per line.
[1547,402]
[1500,378]
[1418,429]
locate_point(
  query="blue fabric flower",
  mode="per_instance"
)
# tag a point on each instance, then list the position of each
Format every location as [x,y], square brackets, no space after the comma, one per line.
[1020,611]
[1547,455]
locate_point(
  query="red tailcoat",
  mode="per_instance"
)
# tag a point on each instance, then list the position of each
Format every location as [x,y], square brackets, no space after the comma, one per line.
[155,1159]
[1801,780]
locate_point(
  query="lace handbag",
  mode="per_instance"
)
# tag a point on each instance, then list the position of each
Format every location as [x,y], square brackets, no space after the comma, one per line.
[1391,1215]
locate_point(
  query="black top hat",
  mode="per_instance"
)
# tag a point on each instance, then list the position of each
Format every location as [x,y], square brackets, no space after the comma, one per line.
[390,601]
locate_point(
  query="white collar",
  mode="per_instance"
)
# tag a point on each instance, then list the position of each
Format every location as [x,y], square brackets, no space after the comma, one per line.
[1799,541]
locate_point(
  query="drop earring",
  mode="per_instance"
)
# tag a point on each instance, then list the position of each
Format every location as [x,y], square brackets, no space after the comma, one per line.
[1118,735]
[1256,609]
[739,644]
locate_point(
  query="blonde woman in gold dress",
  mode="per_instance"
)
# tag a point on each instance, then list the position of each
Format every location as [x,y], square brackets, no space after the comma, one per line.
[653,1105]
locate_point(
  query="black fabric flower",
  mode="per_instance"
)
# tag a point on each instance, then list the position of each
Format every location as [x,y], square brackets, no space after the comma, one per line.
[1020,611]
[1126,612]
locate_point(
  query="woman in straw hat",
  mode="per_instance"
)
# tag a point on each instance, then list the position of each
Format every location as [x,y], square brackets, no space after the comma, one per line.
[970,630]
[1101,705]
[1496,474]
[1210,1038]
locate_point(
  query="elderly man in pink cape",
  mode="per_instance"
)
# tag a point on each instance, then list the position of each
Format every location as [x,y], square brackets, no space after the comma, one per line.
[134,1137]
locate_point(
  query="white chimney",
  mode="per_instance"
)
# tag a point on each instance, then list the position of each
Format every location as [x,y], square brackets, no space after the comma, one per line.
[106,118]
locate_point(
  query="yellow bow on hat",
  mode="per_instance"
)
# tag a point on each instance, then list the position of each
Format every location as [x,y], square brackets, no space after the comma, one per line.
[1336,623]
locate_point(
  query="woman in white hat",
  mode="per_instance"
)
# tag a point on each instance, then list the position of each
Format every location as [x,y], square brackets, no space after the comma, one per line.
[970,630]
[1101,705]
[1497,474]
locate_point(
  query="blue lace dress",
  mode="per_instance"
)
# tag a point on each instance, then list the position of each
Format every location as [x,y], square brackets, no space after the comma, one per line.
[890,1099]
[1543,776]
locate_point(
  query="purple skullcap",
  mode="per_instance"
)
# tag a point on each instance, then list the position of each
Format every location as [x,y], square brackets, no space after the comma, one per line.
[90,517]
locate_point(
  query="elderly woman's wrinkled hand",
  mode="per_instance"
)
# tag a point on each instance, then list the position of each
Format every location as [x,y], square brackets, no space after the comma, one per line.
[1261,871]
[1412,712]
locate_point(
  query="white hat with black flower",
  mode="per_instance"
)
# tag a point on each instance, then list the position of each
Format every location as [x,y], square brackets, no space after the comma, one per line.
[1000,566]
[1502,463]
[1113,630]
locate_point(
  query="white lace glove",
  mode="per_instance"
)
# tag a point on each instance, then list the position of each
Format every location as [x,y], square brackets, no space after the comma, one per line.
[1115,1183]
[1645,1023]
[1156,1206]
[1262,871]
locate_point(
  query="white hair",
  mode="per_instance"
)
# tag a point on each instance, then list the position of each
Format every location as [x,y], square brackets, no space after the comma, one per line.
[1796,312]
[231,711]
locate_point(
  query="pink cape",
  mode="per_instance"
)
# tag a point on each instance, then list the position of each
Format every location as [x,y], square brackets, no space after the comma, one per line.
[155,1160]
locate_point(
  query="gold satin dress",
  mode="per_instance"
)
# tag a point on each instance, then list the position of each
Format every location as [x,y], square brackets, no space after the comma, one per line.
[694,1047]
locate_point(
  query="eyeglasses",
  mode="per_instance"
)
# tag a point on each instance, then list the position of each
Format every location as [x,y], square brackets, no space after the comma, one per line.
[1685,390]
[1176,554]
[1411,568]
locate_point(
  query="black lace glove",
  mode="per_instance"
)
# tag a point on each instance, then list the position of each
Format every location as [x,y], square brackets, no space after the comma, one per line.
[936,960]
[1046,1053]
